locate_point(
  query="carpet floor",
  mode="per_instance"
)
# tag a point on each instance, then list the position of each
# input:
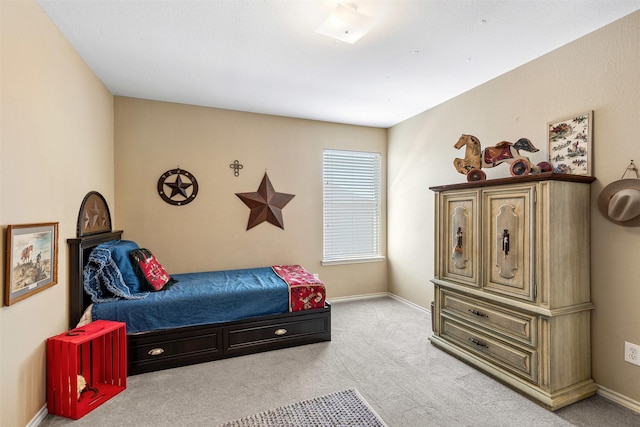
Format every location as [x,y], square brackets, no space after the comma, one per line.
[379,347]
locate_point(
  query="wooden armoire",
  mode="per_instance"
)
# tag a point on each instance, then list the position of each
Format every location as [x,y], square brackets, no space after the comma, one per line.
[512,282]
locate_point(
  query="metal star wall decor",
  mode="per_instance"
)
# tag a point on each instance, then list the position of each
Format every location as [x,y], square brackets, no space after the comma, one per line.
[182,192]
[266,204]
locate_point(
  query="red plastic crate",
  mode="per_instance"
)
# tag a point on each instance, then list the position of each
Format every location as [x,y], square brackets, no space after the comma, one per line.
[98,352]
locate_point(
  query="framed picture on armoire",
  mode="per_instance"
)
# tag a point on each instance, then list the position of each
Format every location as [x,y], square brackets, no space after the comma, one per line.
[570,144]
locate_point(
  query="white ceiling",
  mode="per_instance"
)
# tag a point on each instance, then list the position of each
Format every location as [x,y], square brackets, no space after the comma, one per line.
[264,56]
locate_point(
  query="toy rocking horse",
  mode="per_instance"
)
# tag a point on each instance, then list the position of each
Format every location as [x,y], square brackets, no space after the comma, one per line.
[475,158]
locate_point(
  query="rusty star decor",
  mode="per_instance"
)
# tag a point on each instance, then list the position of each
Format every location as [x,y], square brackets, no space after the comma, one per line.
[266,204]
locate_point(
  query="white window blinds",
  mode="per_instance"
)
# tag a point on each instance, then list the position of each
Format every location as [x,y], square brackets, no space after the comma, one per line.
[351,205]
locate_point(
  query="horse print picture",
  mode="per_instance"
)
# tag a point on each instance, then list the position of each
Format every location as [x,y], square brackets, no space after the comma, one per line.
[31,260]
[570,144]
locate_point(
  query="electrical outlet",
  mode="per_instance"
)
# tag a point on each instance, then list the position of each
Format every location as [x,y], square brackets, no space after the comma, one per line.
[632,353]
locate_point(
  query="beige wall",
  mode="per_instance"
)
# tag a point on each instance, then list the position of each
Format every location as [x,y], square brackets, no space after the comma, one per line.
[598,72]
[210,233]
[56,144]
[57,132]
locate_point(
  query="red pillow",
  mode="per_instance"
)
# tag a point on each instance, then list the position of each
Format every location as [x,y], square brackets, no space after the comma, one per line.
[153,276]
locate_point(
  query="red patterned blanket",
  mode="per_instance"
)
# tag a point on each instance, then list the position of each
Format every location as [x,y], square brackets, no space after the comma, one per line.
[305,290]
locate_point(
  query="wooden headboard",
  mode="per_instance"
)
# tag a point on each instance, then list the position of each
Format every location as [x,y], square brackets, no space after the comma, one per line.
[79,250]
[94,227]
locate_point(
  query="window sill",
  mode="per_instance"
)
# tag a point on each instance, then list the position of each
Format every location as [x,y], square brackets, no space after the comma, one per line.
[353,260]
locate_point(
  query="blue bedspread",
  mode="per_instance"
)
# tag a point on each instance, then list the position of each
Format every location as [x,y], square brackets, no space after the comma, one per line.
[201,298]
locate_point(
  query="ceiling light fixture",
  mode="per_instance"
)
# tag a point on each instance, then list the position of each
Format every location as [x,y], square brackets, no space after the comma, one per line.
[346,24]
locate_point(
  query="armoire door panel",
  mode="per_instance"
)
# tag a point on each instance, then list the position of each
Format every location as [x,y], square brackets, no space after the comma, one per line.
[459,257]
[508,241]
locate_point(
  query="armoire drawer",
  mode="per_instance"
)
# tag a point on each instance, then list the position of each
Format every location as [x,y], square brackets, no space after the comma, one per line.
[516,325]
[519,360]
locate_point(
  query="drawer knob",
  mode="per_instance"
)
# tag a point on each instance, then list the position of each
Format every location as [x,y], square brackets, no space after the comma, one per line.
[477,313]
[280,332]
[155,352]
[478,343]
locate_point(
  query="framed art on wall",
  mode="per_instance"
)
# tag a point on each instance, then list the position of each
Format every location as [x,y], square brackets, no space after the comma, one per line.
[570,144]
[32,260]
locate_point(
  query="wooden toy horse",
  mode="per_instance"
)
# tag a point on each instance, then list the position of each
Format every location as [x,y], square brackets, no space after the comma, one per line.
[471,159]
[506,152]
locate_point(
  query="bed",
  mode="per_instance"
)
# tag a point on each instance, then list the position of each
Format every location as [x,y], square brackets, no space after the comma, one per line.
[167,346]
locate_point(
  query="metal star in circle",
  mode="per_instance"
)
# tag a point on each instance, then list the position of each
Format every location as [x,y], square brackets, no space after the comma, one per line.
[184,187]
[178,187]
[266,204]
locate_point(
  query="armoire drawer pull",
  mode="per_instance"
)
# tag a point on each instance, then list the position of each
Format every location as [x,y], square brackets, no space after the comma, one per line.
[280,332]
[155,352]
[478,313]
[478,343]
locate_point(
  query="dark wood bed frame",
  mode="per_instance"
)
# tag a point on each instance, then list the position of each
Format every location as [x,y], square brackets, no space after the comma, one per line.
[156,350]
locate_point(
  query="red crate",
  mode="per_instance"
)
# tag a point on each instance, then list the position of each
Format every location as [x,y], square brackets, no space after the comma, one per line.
[98,352]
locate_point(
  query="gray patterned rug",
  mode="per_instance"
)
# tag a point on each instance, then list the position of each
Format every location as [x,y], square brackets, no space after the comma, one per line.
[341,409]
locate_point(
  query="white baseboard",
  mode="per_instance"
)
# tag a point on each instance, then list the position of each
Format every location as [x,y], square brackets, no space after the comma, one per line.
[404,301]
[359,297]
[618,398]
[377,295]
[39,417]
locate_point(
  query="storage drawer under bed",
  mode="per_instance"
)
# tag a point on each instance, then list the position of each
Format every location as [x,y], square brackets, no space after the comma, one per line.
[202,343]
[195,344]
[267,335]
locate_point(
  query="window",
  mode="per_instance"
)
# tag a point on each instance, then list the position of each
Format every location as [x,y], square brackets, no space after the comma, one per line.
[351,206]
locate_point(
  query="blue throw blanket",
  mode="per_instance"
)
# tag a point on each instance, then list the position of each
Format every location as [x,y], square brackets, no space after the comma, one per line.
[102,279]
[201,298]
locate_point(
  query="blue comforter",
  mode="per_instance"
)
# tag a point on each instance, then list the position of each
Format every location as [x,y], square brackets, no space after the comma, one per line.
[201,298]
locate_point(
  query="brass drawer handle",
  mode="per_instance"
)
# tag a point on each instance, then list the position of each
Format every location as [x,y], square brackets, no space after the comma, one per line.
[478,313]
[155,352]
[478,343]
[280,332]
[458,248]
[505,242]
